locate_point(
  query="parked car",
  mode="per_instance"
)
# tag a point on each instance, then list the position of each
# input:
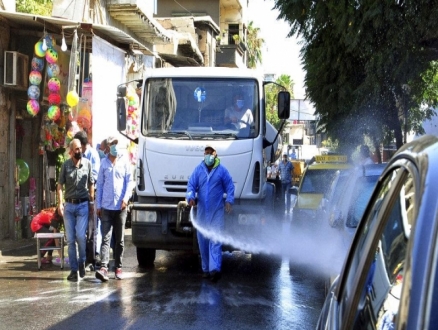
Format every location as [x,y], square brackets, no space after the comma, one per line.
[348,204]
[389,278]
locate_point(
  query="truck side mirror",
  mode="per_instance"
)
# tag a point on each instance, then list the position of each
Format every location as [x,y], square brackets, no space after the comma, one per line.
[121,108]
[283,105]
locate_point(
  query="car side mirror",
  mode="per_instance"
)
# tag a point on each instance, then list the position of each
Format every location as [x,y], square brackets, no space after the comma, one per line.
[121,108]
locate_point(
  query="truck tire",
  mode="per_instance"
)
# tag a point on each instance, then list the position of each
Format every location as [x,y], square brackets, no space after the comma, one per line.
[145,257]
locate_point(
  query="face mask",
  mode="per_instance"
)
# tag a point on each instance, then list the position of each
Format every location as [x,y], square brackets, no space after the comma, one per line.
[209,160]
[113,150]
[77,155]
[239,104]
[101,154]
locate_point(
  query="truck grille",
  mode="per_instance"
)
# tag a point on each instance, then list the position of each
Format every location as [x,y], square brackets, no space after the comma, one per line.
[175,186]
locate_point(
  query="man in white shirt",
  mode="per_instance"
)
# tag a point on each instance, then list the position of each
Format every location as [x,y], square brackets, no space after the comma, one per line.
[236,115]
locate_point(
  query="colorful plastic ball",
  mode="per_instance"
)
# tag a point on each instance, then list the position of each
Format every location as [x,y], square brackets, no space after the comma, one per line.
[131,109]
[54,98]
[53,70]
[35,77]
[72,98]
[54,85]
[33,92]
[53,112]
[39,51]
[51,56]
[33,107]
[50,41]
[37,64]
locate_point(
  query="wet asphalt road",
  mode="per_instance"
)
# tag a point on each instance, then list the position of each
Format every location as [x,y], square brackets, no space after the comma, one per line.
[254,293]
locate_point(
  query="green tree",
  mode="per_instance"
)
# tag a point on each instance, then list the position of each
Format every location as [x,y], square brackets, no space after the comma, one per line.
[271,97]
[38,7]
[255,45]
[368,64]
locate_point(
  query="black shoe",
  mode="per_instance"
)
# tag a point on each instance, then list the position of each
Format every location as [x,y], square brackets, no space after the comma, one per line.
[73,277]
[205,275]
[81,270]
[215,276]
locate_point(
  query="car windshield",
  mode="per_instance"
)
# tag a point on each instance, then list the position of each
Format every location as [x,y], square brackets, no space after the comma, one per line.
[317,181]
[200,108]
[361,196]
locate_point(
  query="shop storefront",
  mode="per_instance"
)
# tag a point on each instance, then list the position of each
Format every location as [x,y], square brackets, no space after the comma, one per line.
[59,77]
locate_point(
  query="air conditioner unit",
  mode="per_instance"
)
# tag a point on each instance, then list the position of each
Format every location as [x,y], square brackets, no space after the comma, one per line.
[16,70]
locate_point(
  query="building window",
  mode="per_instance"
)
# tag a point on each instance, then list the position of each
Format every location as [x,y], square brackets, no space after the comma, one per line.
[233,29]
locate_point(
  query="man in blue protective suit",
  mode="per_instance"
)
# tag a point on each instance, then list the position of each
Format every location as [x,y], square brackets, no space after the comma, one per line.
[210,180]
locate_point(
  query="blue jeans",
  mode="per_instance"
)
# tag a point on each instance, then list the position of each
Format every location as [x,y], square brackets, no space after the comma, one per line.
[76,224]
[285,186]
[113,220]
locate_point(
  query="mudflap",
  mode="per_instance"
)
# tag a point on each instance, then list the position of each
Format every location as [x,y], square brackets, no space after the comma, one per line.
[89,248]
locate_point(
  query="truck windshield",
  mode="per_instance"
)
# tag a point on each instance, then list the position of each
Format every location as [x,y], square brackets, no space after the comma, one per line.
[191,108]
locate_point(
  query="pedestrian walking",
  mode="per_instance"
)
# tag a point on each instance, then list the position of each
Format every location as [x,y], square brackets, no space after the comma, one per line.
[113,190]
[94,236]
[285,168]
[206,187]
[77,179]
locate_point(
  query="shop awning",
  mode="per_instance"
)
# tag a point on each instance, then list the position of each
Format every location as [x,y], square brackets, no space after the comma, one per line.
[121,36]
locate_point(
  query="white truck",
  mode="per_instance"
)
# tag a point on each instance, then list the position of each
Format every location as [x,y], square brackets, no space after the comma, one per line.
[181,111]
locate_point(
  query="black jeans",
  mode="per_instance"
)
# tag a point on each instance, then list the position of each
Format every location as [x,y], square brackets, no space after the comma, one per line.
[113,220]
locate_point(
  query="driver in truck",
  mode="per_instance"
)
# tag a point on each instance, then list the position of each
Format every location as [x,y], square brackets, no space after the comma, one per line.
[236,115]
[206,187]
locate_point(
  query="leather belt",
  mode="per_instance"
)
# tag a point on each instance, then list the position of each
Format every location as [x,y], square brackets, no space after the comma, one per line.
[76,200]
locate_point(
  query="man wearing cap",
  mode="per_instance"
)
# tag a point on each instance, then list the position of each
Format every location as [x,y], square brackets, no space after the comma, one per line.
[76,175]
[285,168]
[205,189]
[113,190]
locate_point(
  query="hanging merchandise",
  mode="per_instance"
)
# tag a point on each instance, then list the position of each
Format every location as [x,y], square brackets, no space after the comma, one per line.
[132,118]
[39,51]
[23,171]
[53,112]
[72,98]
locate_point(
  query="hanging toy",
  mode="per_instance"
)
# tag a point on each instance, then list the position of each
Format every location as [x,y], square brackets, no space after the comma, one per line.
[72,98]
[51,56]
[33,92]
[39,51]
[37,64]
[53,112]
[33,107]
[53,70]
[35,77]
[54,99]
[54,85]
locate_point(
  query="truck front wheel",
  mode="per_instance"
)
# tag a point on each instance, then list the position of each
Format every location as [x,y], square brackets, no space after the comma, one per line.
[145,257]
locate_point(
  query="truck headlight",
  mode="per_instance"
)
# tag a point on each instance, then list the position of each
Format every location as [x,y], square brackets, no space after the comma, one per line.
[145,216]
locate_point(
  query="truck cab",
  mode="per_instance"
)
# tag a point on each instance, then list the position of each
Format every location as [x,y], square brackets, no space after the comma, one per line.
[181,111]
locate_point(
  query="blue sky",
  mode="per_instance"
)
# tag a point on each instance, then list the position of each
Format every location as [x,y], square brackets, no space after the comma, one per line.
[280,54]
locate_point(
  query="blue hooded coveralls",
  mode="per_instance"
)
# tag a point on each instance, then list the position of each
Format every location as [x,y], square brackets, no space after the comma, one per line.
[210,187]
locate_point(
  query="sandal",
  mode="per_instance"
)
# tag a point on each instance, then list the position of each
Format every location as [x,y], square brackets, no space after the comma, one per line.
[46,261]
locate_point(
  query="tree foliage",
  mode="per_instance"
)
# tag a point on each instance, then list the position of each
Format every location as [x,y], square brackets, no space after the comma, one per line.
[367,63]
[271,98]
[255,45]
[37,7]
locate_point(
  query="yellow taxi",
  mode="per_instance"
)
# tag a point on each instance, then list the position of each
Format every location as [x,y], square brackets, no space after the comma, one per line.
[319,181]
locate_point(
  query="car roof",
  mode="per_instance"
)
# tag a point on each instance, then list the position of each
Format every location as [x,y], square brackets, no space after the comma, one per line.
[330,166]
